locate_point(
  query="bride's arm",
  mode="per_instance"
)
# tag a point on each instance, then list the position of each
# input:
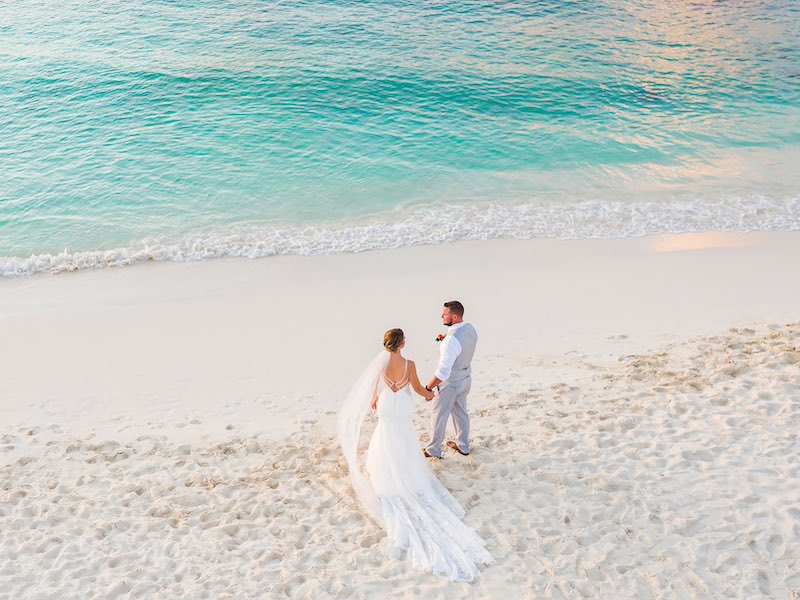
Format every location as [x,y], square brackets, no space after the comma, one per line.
[412,375]
[374,402]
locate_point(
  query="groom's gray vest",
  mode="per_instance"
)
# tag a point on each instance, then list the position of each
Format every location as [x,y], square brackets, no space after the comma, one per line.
[468,338]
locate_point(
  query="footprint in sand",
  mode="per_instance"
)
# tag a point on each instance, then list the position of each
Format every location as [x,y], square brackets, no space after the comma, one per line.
[697,455]
[775,546]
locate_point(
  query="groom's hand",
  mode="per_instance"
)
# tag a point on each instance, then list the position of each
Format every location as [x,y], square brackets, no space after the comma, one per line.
[433,383]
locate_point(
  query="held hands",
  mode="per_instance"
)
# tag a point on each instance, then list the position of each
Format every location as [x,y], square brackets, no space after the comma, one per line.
[432,388]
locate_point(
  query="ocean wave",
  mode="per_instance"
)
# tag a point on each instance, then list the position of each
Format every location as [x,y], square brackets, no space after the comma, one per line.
[437,224]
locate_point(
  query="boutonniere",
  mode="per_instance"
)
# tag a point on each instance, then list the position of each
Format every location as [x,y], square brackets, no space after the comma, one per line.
[440,337]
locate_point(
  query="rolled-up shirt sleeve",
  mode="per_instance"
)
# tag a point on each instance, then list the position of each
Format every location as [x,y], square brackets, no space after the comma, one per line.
[448,353]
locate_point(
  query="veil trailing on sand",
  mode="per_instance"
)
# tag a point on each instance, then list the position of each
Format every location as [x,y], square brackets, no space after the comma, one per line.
[352,413]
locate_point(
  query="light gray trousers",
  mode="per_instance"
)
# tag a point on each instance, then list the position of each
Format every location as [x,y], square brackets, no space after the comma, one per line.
[452,400]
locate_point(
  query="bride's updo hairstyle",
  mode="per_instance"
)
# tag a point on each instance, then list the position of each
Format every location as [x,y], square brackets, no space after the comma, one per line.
[393,339]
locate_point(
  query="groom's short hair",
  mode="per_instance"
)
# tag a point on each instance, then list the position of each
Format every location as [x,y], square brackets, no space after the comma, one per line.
[455,307]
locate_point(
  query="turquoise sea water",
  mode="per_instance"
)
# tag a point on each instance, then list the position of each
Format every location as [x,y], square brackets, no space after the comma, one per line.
[183,130]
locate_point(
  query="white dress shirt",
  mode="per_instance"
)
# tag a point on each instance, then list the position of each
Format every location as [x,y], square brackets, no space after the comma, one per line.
[449,350]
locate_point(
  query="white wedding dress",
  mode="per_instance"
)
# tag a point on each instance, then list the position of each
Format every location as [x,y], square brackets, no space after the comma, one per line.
[403,495]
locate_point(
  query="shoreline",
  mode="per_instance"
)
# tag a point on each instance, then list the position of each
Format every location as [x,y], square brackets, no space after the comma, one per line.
[431,224]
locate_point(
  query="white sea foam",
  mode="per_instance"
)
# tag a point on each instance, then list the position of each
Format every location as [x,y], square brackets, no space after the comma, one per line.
[437,225]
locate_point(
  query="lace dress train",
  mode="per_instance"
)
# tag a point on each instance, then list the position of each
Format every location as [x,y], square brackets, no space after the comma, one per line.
[421,517]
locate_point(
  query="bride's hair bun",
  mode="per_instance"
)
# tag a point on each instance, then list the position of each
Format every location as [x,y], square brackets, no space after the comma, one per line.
[393,339]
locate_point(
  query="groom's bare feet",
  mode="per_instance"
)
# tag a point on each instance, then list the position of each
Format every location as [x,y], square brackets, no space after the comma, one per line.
[454,446]
[425,452]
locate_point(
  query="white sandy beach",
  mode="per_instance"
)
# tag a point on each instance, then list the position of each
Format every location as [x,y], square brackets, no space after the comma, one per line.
[167,428]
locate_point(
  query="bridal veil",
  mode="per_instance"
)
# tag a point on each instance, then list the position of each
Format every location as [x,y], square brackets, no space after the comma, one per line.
[351,417]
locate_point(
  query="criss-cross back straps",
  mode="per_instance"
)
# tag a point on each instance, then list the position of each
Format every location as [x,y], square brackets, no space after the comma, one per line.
[396,386]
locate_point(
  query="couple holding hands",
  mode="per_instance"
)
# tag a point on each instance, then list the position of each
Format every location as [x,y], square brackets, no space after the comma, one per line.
[396,486]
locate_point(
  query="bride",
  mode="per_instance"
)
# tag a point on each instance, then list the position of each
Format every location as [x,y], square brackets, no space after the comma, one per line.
[399,491]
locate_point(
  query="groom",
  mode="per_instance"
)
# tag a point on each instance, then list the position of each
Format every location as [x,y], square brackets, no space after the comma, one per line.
[453,380]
